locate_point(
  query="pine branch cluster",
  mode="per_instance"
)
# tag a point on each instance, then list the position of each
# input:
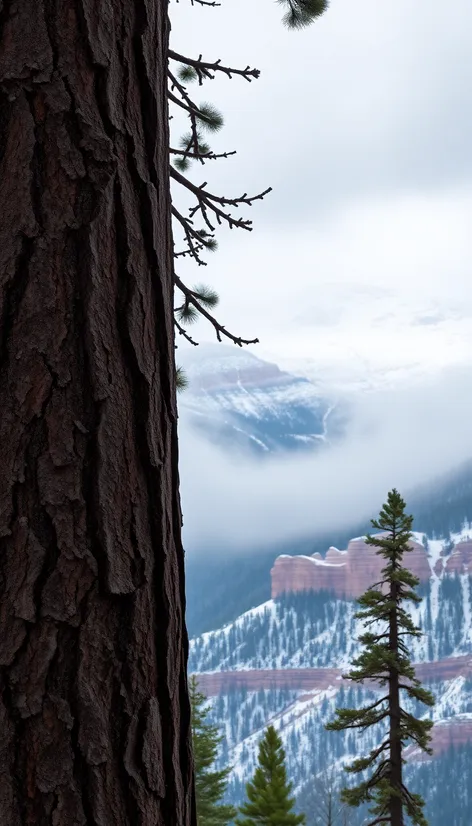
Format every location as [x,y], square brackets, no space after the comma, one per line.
[300,13]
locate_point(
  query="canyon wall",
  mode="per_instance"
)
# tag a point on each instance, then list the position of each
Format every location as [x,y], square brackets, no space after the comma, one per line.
[316,679]
[349,573]
[448,732]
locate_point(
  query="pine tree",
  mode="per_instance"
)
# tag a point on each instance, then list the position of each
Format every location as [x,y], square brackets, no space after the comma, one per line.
[269,802]
[386,660]
[210,784]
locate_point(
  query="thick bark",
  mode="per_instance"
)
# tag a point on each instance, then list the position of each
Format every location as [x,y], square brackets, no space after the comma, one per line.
[94,714]
[396,771]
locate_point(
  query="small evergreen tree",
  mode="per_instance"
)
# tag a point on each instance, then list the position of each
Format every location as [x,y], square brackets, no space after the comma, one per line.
[386,660]
[210,784]
[268,794]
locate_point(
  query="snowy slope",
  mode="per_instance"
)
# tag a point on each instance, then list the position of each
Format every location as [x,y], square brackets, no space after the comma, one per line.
[240,400]
[321,632]
[300,720]
[301,631]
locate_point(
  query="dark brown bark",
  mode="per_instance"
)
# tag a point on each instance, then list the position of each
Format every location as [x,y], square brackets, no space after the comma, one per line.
[394,710]
[94,714]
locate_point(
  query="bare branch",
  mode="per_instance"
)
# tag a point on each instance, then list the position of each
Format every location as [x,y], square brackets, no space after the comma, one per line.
[207,70]
[376,704]
[183,332]
[190,107]
[205,156]
[203,3]
[191,236]
[206,200]
[188,252]
[192,298]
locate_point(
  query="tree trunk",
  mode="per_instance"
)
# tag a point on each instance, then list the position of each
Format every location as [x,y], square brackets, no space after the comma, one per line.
[94,712]
[396,770]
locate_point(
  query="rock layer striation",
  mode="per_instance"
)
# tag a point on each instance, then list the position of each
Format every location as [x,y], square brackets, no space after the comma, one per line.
[349,573]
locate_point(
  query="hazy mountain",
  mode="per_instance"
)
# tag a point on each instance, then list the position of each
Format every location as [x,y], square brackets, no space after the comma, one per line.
[243,402]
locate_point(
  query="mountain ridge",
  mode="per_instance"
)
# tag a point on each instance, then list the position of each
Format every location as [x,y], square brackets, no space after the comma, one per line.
[348,573]
[282,663]
[243,402]
[222,587]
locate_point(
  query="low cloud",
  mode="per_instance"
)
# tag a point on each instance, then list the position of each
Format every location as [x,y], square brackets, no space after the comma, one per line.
[323,288]
[396,439]
[339,115]
[364,241]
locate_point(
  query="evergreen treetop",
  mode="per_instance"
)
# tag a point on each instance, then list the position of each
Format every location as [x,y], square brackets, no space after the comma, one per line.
[268,794]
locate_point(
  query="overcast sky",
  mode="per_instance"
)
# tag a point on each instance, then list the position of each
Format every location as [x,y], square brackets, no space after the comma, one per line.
[360,259]
[362,124]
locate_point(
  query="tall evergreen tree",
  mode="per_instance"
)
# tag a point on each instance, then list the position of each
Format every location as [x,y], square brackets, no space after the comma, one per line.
[268,794]
[386,660]
[210,784]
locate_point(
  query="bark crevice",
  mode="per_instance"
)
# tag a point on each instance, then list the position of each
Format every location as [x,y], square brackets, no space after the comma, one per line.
[93,648]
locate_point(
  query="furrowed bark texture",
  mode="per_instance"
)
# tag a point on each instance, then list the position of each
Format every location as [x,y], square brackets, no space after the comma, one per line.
[94,715]
[396,771]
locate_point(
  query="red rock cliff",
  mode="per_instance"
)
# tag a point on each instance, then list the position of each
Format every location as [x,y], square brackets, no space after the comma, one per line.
[460,561]
[347,573]
[223,682]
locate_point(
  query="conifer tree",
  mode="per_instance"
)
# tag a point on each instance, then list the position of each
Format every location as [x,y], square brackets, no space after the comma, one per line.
[386,660]
[210,784]
[268,794]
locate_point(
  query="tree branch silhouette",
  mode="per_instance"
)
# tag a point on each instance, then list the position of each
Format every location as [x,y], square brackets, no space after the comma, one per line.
[212,209]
